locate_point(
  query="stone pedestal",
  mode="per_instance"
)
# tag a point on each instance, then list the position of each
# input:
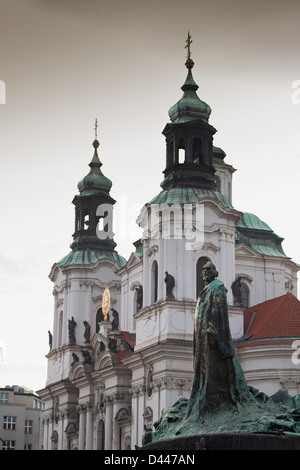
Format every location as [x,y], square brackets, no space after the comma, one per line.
[104,328]
[229,441]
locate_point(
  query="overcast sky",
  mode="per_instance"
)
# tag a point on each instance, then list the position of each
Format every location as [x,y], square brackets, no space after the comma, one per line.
[66,62]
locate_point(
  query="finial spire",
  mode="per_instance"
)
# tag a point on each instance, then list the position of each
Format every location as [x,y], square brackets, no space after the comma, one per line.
[96,142]
[189,62]
[96,128]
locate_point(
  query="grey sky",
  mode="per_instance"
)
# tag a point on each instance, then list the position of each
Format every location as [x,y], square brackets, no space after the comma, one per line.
[66,62]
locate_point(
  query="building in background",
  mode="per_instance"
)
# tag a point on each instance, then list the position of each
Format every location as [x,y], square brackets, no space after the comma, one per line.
[122,340]
[21,416]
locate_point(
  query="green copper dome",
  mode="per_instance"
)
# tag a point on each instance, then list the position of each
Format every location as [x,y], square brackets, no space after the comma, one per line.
[95,181]
[190,106]
[251,221]
[255,233]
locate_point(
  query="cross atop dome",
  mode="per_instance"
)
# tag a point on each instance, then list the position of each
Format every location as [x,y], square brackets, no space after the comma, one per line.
[189,62]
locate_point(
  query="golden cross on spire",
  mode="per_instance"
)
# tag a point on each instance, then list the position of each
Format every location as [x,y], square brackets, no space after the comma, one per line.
[188,45]
[96,129]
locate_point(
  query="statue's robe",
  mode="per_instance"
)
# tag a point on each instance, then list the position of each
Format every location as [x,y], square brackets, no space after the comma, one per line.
[219,381]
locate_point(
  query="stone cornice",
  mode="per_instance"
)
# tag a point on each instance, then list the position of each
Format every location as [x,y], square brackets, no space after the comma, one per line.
[161,304]
[172,383]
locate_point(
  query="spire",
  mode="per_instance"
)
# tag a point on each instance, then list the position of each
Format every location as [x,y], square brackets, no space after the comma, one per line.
[96,144]
[189,136]
[92,204]
[190,106]
[189,62]
[95,181]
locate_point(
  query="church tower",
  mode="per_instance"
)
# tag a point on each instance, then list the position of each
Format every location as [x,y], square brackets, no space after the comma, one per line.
[85,281]
[188,223]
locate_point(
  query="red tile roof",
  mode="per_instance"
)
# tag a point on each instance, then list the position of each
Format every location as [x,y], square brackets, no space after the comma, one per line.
[121,355]
[127,336]
[276,321]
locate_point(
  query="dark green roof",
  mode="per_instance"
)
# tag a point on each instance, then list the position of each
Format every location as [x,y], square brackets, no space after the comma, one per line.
[89,257]
[190,106]
[188,196]
[253,222]
[95,181]
[255,233]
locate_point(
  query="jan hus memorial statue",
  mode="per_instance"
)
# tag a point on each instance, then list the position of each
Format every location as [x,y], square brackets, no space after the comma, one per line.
[221,404]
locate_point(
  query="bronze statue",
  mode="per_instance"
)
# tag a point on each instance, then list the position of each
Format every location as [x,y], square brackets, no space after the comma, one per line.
[75,358]
[50,337]
[86,357]
[71,324]
[170,283]
[236,291]
[220,401]
[115,321]
[218,378]
[87,332]
[139,298]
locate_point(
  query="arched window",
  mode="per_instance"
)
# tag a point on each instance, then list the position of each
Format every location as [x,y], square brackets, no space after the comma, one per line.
[244,296]
[181,155]
[154,281]
[101,436]
[86,220]
[60,328]
[199,281]
[170,154]
[197,151]
[181,151]
[148,417]
[218,183]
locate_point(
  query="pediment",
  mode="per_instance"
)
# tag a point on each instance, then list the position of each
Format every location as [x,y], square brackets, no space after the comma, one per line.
[104,360]
[133,260]
[245,250]
[77,371]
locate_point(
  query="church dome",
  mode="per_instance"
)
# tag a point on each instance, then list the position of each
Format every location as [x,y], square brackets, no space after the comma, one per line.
[218,155]
[190,106]
[94,181]
[251,221]
[255,233]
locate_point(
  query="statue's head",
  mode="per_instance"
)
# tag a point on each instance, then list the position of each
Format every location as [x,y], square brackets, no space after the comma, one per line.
[209,272]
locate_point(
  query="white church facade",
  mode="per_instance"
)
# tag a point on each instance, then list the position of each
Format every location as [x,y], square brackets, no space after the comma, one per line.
[121,348]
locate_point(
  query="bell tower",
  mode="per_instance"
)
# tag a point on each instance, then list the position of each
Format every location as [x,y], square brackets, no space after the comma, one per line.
[86,273]
[189,137]
[93,209]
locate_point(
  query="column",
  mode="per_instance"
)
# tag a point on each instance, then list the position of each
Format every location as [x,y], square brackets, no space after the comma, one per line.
[134,414]
[88,310]
[146,272]
[46,433]
[82,421]
[60,444]
[221,268]
[115,427]
[108,424]
[65,336]
[161,262]
[140,417]
[55,322]
[89,428]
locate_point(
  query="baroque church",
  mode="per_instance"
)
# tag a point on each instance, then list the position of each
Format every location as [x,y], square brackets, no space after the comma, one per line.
[121,348]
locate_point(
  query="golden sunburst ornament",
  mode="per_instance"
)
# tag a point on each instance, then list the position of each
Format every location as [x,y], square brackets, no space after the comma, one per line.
[105,303]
